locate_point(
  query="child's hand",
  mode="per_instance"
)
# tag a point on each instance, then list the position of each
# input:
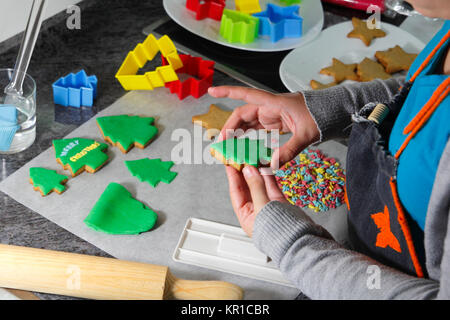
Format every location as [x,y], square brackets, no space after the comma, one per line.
[250,192]
[264,110]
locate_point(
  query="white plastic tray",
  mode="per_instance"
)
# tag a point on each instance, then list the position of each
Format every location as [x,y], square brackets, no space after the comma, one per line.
[225,248]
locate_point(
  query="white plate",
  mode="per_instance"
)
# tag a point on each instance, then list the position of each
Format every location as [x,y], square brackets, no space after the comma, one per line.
[310,10]
[302,65]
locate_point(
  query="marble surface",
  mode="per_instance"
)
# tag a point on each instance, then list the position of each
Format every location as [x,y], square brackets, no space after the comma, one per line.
[109,29]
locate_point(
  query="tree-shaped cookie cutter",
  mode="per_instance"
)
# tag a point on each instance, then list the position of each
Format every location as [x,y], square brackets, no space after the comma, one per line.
[75,90]
[144,52]
[280,22]
[247,6]
[206,8]
[201,72]
[237,26]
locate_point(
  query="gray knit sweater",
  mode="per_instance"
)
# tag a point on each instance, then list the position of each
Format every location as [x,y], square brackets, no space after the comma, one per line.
[319,266]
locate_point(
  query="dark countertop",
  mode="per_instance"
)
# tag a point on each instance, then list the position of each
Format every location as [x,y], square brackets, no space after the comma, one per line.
[109,30]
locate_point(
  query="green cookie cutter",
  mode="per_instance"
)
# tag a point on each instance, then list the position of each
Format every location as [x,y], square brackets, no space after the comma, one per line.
[290,2]
[238,27]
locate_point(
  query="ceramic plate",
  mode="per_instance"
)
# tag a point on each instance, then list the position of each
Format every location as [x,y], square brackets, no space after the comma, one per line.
[302,65]
[310,10]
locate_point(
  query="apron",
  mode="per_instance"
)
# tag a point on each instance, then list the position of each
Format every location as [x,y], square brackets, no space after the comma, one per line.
[379,227]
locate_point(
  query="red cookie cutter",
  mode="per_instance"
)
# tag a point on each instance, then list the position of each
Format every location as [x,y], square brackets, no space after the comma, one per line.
[206,8]
[201,72]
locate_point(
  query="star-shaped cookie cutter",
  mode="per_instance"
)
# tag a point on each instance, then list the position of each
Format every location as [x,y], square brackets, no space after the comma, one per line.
[201,74]
[206,8]
[144,52]
[75,90]
[237,26]
[280,22]
[247,6]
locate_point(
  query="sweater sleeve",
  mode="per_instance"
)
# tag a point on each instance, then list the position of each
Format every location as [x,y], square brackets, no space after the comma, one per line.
[332,108]
[321,268]
[437,232]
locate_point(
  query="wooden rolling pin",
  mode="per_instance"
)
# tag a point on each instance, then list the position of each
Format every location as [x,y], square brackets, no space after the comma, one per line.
[91,277]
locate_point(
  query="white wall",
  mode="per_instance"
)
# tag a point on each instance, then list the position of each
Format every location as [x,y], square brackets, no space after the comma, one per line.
[14,14]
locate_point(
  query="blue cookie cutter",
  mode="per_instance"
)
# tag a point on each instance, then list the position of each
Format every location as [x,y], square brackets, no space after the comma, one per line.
[8,125]
[280,22]
[75,90]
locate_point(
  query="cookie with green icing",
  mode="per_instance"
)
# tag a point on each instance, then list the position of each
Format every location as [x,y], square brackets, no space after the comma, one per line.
[126,131]
[242,152]
[117,212]
[45,181]
[78,154]
[152,171]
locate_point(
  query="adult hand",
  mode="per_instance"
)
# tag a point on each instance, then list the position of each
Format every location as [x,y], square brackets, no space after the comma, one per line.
[250,192]
[285,112]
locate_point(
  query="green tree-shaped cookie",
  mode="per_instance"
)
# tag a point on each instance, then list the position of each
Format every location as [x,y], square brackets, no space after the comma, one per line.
[151,170]
[78,154]
[127,131]
[46,181]
[240,152]
[117,212]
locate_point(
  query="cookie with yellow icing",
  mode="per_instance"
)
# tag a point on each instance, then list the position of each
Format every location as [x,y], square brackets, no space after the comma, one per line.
[78,155]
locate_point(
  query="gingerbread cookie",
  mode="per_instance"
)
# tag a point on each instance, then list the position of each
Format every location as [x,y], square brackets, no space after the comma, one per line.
[152,171]
[239,153]
[361,31]
[46,181]
[369,70]
[213,121]
[126,131]
[117,212]
[341,71]
[316,85]
[78,154]
[395,59]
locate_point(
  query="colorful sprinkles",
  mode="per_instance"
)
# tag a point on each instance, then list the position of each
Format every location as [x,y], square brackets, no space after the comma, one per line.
[312,180]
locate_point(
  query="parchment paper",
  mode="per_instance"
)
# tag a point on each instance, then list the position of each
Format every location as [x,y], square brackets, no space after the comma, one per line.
[199,190]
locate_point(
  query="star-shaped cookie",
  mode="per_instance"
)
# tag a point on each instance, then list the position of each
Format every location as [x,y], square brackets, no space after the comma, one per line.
[395,59]
[316,85]
[369,70]
[213,121]
[361,31]
[341,71]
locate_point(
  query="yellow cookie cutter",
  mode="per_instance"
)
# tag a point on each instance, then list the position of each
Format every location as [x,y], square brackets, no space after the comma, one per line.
[248,6]
[144,52]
